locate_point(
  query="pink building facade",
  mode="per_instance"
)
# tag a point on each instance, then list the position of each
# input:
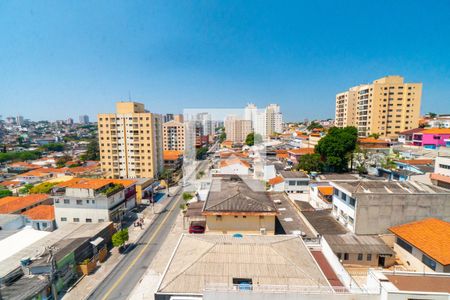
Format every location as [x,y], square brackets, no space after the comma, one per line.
[432,138]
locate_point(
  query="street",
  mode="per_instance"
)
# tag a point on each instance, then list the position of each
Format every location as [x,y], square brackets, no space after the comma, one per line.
[121,281]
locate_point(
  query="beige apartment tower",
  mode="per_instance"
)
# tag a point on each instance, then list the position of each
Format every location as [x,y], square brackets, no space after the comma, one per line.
[174,136]
[385,107]
[237,129]
[130,142]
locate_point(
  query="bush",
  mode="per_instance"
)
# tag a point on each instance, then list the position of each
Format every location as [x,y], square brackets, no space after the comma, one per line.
[187,196]
[5,193]
[120,238]
[43,188]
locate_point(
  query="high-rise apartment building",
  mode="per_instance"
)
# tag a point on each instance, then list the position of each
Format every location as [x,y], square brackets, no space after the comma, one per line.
[19,120]
[250,113]
[174,136]
[265,121]
[84,119]
[237,129]
[130,142]
[385,107]
[274,119]
[178,118]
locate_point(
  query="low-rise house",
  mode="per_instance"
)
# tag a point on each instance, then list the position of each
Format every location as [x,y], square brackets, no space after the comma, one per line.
[17,205]
[371,207]
[374,145]
[295,182]
[295,154]
[41,217]
[424,245]
[276,184]
[234,166]
[441,175]
[173,159]
[85,200]
[248,267]
[432,138]
[406,137]
[41,174]
[406,169]
[237,205]
[321,196]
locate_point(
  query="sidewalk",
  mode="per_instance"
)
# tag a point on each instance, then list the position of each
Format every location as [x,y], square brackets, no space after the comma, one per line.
[89,283]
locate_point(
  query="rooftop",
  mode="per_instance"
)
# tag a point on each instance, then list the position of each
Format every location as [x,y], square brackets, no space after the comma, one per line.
[293,174]
[233,161]
[276,180]
[301,151]
[431,236]
[411,131]
[352,243]
[237,195]
[436,131]
[337,177]
[12,204]
[323,222]
[435,283]
[202,261]
[388,187]
[41,212]
[172,154]
[416,162]
[90,183]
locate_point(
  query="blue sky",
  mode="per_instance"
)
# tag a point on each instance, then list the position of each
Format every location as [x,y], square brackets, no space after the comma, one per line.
[60,59]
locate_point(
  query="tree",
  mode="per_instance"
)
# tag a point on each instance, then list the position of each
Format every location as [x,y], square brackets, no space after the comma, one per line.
[187,196]
[314,125]
[5,193]
[61,162]
[388,164]
[432,115]
[26,188]
[222,137]
[361,158]
[58,147]
[201,152]
[375,135]
[43,188]
[120,238]
[92,151]
[310,163]
[336,148]
[253,138]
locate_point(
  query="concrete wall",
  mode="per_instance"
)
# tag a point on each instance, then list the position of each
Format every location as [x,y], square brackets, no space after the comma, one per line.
[376,213]
[414,260]
[239,224]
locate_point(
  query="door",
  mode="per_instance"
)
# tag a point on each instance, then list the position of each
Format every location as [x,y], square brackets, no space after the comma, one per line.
[380,261]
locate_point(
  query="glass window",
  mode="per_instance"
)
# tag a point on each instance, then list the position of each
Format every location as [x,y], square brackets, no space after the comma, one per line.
[429,262]
[404,245]
[79,202]
[76,219]
[369,257]
[360,256]
[101,220]
[344,196]
[352,201]
[63,219]
[345,256]
[88,220]
[66,201]
[336,192]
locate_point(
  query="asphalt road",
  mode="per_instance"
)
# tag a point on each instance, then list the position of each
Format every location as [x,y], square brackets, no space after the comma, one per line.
[126,275]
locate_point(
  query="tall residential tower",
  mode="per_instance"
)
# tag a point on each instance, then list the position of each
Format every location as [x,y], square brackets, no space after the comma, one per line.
[130,142]
[385,107]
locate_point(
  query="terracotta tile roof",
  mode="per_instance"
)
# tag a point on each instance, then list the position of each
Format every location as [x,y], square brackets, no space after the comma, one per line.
[411,131]
[326,190]
[82,169]
[24,165]
[431,236]
[301,151]
[436,131]
[44,171]
[233,161]
[233,153]
[417,162]
[439,177]
[13,204]
[10,183]
[281,151]
[172,154]
[371,141]
[276,180]
[41,212]
[282,155]
[90,183]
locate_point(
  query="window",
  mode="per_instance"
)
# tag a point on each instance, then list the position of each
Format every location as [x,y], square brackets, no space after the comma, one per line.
[66,201]
[339,255]
[63,219]
[360,256]
[369,257]
[345,256]
[79,202]
[56,200]
[336,192]
[44,225]
[404,244]
[291,182]
[244,284]
[218,218]
[429,262]
[87,201]
[344,196]
[352,201]
[101,220]
[88,220]
[76,219]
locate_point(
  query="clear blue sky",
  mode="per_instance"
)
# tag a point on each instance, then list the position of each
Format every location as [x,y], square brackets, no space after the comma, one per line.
[60,59]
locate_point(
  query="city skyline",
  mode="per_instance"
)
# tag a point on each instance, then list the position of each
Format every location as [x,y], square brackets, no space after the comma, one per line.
[68,60]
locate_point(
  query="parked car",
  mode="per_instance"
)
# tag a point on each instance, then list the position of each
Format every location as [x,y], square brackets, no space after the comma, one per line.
[196,229]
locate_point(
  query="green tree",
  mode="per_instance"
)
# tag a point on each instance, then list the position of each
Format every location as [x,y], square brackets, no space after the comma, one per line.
[5,193]
[201,152]
[43,188]
[337,147]
[310,163]
[432,115]
[388,163]
[222,137]
[19,156]
[120,238]
[253,138]
[58,147]
[314,125]
[26,188]
[61,162]
[92,151]
[187,196]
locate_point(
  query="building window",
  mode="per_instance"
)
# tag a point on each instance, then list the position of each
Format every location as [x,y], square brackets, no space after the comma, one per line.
[352,201]
[66,201]
[101,220]
[63,219]
[56,200]
[79,202]
[336,192]
[404,244]
[76,219]
[88,220]
[360,256]
[339,255]
[429,262]
[345,256]
[369,257]
[218,218]
[344,196]
[244,284]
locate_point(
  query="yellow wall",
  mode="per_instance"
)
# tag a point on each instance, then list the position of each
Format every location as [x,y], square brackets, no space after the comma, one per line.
[239,224]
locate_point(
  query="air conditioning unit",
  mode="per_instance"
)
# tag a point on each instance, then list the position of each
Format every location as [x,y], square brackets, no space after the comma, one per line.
[262,231]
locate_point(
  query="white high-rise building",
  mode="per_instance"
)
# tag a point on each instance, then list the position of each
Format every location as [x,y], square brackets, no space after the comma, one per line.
[250,113]
[274,119]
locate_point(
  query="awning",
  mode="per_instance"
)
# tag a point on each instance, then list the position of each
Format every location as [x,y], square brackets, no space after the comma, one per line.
[97,241]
